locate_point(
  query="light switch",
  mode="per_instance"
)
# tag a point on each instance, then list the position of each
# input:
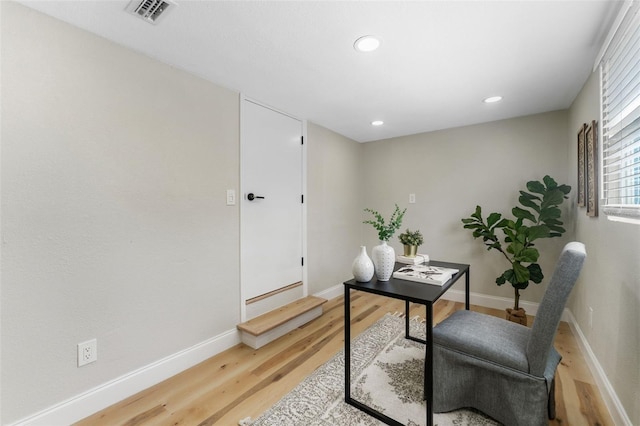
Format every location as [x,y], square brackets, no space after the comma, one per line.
[412,198]
[231,197]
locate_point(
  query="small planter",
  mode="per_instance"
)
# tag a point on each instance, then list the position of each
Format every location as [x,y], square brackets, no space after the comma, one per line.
[410,251]
[518,316]
[411,240]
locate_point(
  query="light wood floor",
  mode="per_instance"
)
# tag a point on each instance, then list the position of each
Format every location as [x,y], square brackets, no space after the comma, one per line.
[243,382]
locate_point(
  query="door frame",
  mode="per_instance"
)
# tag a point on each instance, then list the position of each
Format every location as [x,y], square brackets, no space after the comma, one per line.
[305,290]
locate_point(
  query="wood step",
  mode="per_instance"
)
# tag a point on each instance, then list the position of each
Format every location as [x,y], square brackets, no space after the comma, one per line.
[267,327]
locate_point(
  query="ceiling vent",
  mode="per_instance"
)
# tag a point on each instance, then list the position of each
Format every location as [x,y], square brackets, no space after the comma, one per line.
[151,11]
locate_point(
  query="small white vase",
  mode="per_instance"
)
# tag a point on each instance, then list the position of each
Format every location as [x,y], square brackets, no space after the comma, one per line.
[384,259]
[362,266]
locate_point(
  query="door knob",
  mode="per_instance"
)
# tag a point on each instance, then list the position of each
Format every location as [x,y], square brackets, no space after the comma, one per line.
[251,196]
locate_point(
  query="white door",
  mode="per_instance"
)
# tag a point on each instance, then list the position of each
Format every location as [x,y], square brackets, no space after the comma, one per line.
[271,202]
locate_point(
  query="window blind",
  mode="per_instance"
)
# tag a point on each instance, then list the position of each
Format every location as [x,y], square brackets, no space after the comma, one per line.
[620,90]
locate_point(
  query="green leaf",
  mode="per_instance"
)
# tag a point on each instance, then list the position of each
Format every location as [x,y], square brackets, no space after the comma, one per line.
[548,180]
[520,272]
[529,203]
[552,198]
[552,222]
[523,214]
[511,277]
[535,186]
[565,189]
[528,196]
[527,255]
[520,285]
[493,219]
[509,233]
[496,245]
[535,273]
[503,223]
[478,213]
[556,230]
[518,224]
[506,276]
[539,231]
[515,248]
[549,213]
[472,226]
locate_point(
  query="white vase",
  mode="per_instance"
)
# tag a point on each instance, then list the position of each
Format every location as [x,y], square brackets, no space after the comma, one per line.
[362,266]
[384,259]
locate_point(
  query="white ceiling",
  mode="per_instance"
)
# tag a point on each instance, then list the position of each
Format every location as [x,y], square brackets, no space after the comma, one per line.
[438,59]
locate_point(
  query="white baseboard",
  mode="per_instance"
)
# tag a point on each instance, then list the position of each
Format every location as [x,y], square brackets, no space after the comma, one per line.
[107,394]
[611,400]
[331,292]
[495,302]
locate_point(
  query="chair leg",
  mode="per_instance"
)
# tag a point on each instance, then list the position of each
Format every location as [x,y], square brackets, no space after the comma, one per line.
[551,404]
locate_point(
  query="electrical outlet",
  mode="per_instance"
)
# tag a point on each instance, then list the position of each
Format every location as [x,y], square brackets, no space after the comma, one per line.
[590,317]
[87,352]
[412,198]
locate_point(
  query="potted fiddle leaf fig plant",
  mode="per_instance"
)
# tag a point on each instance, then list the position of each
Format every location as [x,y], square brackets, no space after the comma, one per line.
[538,216]
[411,240]
[384,255]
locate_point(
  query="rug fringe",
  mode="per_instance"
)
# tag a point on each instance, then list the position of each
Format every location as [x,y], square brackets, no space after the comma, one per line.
[419,319]
[416,318]
[245,422]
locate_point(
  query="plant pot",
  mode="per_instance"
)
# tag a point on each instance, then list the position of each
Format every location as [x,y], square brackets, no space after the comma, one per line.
[362,267]
[518,316]
[410,251]
[384,259]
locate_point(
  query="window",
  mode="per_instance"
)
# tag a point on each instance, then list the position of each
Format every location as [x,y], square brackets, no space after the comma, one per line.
[620,97]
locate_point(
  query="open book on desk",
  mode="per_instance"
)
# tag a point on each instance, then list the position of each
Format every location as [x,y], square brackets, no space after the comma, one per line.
[425,274]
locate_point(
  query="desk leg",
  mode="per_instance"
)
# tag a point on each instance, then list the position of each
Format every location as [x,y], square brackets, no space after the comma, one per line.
[406,319]
[347,345]
[428,365]
[466,290]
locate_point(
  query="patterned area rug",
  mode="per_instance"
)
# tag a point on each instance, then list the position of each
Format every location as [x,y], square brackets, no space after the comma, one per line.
[387,374]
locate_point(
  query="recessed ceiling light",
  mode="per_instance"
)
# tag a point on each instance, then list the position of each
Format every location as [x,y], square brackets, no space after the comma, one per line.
[492,99]
[367,43]
[377,123]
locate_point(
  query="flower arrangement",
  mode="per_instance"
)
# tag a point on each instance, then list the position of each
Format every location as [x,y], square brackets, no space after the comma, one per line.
[386,230]
[411,238]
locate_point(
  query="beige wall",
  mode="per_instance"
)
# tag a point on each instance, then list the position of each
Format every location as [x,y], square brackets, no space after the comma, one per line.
[610,280]
[114,223]
[452,171]
[334,204]
[114,219]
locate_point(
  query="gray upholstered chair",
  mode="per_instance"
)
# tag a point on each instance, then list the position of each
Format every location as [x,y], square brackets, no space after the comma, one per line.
[501,368]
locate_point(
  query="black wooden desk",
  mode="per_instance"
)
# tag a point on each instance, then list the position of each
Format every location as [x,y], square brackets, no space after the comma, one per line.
[409,291]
